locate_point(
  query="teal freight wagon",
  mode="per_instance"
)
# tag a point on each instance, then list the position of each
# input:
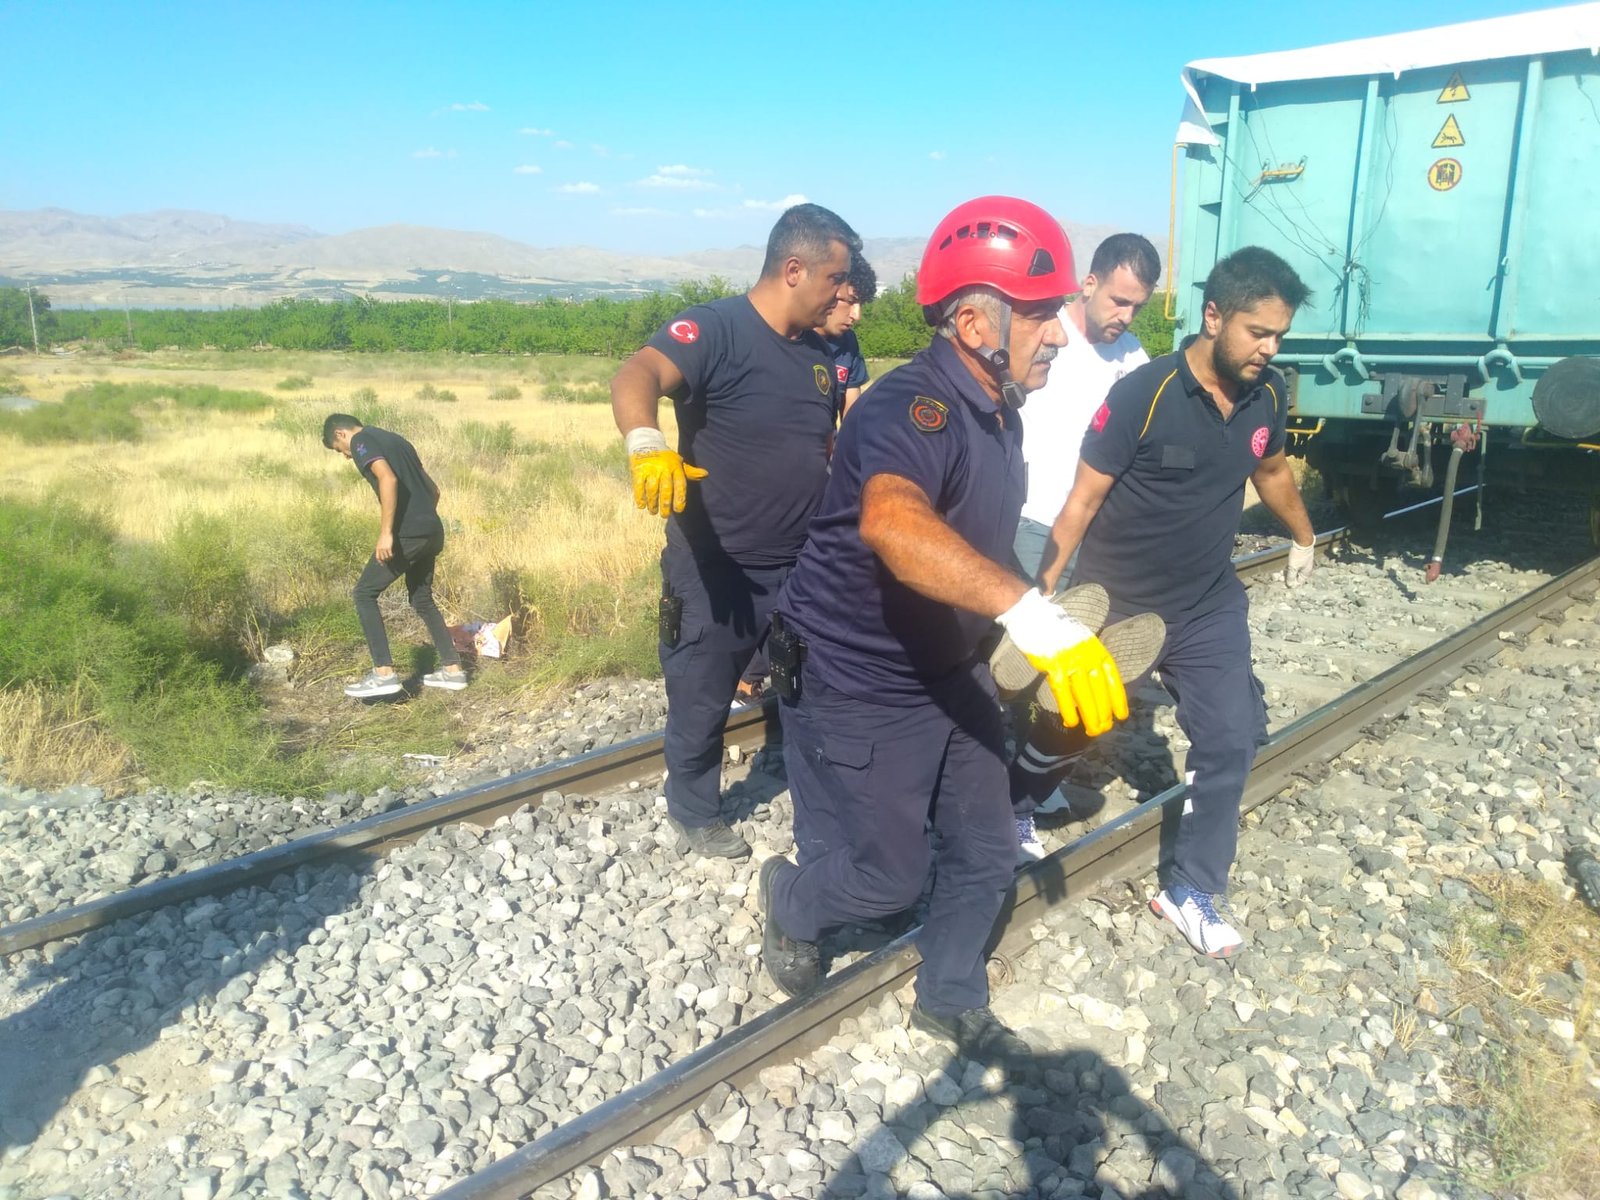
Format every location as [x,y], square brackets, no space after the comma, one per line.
[1440,192]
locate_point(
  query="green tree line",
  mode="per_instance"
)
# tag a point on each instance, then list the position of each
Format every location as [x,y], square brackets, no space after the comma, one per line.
[891,326]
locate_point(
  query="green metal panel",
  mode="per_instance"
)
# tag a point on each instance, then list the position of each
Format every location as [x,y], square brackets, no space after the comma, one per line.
[1443,229]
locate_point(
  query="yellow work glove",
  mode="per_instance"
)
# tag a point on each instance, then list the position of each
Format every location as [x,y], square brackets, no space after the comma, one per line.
[1079,669]
[660,476]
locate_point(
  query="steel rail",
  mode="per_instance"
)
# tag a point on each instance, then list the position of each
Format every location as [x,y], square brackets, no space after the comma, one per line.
[482,804]
[1122,849]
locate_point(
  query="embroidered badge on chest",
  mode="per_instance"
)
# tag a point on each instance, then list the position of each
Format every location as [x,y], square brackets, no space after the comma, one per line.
[1258,441]
[928,414]
[820,373]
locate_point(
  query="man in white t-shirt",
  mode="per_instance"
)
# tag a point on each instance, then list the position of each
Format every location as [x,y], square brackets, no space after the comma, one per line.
[1099,351]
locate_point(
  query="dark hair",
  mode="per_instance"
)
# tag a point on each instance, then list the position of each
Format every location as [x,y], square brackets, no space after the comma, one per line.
[863,279]
[1250,275]
[1127,250]
[336,422]
[806,232]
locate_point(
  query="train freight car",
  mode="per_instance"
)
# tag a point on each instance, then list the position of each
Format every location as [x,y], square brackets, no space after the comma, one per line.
[1440,192]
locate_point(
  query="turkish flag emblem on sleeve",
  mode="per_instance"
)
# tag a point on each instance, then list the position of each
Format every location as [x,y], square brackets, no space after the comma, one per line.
[1101,416]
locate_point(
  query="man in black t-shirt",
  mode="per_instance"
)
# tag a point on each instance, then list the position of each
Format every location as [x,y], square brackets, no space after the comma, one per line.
[838,331]
[1155,505]
[410,538]
[753,389]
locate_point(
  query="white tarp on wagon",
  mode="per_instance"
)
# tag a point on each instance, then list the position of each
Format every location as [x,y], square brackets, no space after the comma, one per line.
[1576,27]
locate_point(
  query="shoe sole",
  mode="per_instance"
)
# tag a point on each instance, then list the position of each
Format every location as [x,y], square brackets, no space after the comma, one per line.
[1134,645]
[447,685]
[1086,604]
[1160,910]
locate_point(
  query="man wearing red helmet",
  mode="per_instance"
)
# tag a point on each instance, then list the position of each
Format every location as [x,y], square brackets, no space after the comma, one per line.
[891,716]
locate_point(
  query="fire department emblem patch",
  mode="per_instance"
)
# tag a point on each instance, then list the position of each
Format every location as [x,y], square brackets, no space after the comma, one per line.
[684,331]
[1101,416]
[1258,441]
[843,374]
[928,415]
[820,373]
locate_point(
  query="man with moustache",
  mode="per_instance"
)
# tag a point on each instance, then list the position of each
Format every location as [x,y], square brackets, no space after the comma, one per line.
[890,716]
[1155,505]
[753,389]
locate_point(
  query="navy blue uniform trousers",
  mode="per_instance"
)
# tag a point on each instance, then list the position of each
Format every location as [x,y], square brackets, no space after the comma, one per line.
[1221,710]
[865,779]
[726,609]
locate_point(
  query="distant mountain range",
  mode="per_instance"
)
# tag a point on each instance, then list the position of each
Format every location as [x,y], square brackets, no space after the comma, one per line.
[174,258]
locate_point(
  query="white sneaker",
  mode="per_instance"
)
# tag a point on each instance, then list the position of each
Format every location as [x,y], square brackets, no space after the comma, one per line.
[373,684]
[1029,847]
[1195,914]
[450,681]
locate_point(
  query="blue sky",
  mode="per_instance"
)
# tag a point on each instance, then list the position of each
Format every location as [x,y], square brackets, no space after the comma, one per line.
[659,127]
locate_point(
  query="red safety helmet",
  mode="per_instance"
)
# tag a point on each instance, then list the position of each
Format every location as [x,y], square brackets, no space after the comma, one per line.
[1011,245]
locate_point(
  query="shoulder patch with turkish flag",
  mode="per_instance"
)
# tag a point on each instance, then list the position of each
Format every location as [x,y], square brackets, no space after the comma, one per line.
[684,330]
[1101,416]
[928,415]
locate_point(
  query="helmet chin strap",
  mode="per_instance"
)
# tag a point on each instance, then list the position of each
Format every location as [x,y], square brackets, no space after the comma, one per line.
[999,362]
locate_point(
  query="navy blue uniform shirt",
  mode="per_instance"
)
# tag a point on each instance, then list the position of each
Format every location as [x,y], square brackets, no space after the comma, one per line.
[416,512]
[1163,539]
[871,636]
[756,412]
[849,367]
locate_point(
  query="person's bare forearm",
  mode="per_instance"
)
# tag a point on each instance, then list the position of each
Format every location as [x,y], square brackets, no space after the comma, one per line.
[1278,491]
[635,397]
[1089,490]
[388,504]
[924,553]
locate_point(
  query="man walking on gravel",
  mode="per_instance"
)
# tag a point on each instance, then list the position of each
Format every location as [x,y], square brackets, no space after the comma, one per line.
[892,717]
[410,539]
[1155,505]
[1099,351]
[752,386]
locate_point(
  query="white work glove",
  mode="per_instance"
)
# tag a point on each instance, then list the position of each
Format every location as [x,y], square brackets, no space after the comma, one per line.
[1301,560]
[1079,669]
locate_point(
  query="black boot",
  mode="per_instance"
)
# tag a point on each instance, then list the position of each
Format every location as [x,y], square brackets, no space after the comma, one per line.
[977,1033]
[715,840]
[795,966]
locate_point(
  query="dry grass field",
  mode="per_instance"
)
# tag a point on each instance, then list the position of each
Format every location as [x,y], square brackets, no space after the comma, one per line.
[274,528]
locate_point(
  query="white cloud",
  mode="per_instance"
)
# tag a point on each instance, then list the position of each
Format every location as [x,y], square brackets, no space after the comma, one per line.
[563,144]
[527,169]
[776,205]
[431,152]
[600,151]
[534,131]
[713,214]
[643,211]
[676,175]
[581,188]
[475,106]
[936,155]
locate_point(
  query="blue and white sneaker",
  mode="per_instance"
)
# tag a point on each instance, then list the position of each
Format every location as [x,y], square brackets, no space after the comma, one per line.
[1029,847]
[1196,916]
[372,684]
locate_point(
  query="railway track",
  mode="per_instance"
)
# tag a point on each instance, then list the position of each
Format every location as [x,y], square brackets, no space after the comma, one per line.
[640,758]
[1122,848]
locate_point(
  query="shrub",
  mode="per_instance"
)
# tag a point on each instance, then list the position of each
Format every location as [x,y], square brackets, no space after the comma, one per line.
[483,440]
[101,412]
[508,391]
[293,383]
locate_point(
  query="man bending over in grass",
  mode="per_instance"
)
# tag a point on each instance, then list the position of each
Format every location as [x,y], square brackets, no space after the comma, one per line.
[410,537]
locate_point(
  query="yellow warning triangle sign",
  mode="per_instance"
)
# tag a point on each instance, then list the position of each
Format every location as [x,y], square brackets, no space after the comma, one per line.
[1450,135]
[1454,91]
